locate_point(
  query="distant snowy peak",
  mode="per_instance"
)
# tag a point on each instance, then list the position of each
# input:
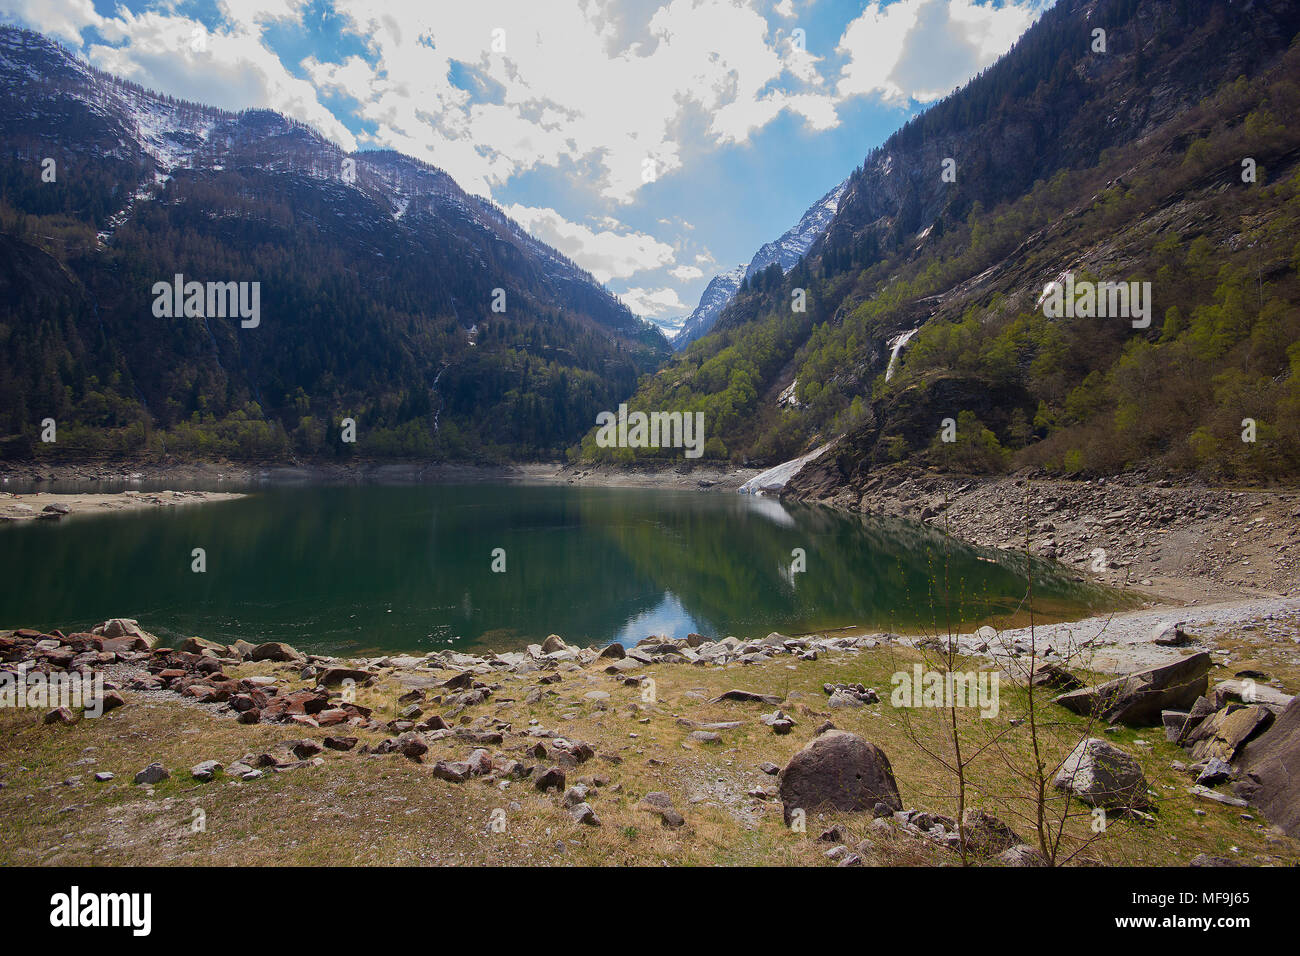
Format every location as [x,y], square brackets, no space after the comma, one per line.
[787,251]
[721,289]
[794,245]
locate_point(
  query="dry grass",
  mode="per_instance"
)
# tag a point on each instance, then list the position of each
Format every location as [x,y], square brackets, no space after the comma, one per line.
[359,809]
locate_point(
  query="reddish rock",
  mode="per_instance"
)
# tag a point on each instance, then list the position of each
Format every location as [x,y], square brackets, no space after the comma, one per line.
[332,716]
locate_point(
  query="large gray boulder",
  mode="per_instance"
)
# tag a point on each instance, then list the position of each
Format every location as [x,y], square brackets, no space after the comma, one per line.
[838,771]
[1138,698]
[1270,767]
[1101,775]
[1223,735]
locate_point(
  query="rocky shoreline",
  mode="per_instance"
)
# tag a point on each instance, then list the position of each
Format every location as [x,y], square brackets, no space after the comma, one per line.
[1179,538]
[457,716]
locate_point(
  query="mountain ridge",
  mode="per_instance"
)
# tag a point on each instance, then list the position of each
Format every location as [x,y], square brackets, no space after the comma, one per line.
[147,186]
[786,250]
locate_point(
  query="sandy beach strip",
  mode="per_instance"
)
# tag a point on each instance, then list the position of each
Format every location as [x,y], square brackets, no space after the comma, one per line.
[52,506]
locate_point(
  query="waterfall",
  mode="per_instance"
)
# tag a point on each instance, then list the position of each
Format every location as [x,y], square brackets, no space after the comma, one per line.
[896,344]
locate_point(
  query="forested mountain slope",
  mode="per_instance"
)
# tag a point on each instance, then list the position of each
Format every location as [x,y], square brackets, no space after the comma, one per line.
[1169,158]
[377,279]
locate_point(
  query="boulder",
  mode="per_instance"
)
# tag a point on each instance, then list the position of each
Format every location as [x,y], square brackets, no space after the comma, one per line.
[841,771]
[614,652]
[553,643]
[125,628]
[197,645]
[1022,854]
[456,772]
[1223,735]
[746,697]
[305,749]
[986,835]
[334,676]
[1270,766]
[276,651]
[205,770]
[154,773]
[1213,796]
[661,805]
[1138,698]
[1101,775]
[412,746]
[582,813]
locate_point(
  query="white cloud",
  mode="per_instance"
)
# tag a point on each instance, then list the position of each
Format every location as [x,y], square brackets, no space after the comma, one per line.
[64,19]
[686,273]
[568,93]
[250,12]
[606,254]
[652,303]
[923,49]
[232,70]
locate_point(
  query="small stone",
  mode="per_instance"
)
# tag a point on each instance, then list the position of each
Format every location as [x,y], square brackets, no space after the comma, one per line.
[154,773]
[206,770]
[582,813]
[306,748]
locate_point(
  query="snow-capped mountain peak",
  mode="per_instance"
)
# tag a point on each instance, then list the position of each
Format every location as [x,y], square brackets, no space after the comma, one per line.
[787,250]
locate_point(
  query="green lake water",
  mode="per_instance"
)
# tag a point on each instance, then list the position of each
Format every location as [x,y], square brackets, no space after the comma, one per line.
[368,569]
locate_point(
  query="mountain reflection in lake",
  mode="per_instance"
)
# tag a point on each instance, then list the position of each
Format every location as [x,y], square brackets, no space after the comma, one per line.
[385,568]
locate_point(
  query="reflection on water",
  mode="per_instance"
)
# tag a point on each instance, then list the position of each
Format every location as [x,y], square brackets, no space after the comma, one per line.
[363,568]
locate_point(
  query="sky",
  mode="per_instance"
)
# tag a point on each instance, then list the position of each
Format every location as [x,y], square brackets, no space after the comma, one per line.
[654,142]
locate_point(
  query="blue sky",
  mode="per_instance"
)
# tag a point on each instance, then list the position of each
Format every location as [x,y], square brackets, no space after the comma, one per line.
[655,142]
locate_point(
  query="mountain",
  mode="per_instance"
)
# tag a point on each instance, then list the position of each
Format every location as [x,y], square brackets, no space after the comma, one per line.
[721,289]
[792,246]
[377,279]
[1170,156]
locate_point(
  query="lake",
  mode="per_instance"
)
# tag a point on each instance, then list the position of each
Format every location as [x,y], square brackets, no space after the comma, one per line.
[370,568]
